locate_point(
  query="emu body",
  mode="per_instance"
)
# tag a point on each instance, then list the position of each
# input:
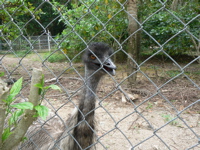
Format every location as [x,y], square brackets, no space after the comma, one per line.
[78,131]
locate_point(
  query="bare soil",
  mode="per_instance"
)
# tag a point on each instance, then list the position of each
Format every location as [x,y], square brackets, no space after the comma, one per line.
[165,115]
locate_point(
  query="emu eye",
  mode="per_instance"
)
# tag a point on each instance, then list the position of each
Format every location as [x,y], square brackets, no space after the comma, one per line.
[92,57]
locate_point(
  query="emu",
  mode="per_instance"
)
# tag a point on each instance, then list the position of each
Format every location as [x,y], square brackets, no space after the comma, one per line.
[78,132]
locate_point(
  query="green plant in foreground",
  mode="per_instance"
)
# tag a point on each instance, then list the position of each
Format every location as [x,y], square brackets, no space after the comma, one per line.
[43,89]
[41,110]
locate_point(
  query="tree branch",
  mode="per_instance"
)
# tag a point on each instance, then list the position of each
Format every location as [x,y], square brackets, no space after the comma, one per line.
[27,118]
[4,90]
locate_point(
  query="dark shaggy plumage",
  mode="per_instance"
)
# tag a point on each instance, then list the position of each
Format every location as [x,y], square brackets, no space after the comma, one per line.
[78,132]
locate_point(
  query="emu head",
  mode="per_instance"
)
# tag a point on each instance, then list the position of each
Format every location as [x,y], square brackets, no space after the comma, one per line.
[97,59]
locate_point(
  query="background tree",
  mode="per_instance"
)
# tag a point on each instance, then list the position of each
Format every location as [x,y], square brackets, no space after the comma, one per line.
[48,19]
[175,26]
[91,21]
[11,22]
[30,17]
[133,48]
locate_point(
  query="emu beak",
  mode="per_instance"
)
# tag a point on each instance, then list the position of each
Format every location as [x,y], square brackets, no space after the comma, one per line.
[109,66]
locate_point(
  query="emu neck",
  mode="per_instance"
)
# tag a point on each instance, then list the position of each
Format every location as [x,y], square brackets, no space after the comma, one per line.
[89,94]
[84,132]
[91,82]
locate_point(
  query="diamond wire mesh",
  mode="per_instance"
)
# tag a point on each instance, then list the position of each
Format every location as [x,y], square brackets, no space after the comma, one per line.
[153,122]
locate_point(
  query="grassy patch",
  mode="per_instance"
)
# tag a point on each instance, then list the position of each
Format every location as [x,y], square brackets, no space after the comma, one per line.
[172,73]
[55,57]
[149,106]
[22,53]
[168,118]
[196,72]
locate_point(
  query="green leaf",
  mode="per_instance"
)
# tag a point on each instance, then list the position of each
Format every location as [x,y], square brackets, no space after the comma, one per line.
[9,99]
[2,74]
[15,116]
[23,105]
[42,111]
[24,139]
[39,85]
[6,134]
[36,115]
[54,87]
[16,87]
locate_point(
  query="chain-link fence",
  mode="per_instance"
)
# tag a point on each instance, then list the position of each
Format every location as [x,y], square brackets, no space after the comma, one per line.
[158,111]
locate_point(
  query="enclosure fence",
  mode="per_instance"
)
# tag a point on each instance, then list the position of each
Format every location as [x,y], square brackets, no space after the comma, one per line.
[160,111]
[42,44]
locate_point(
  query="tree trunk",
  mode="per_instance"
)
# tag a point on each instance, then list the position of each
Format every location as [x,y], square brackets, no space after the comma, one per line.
[4,91]
[174,5]
[133,47]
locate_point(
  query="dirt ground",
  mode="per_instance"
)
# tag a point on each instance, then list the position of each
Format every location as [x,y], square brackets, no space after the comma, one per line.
[165,113]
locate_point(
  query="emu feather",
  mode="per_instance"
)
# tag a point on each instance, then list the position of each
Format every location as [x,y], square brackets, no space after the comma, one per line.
[78,131]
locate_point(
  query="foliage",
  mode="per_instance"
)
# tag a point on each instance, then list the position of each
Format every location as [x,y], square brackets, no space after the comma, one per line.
[168,27]
[43,89]
[12,121]
[91,21]
[12,17]
[102,20]
[46,16]
[2,74]
[14,114]
[25,18]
